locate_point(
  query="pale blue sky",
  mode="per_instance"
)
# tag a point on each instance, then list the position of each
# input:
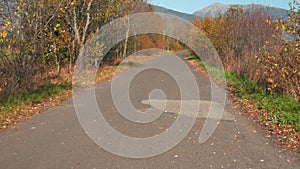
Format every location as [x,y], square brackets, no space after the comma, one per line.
[190,6]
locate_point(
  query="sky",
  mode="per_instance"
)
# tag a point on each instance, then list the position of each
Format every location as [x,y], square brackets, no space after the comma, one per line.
[191,6]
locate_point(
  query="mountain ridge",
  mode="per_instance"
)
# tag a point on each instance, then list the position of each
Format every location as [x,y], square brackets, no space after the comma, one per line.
[185,16]
[217,9]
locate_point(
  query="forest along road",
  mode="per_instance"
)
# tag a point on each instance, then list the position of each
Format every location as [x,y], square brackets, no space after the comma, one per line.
[55,139]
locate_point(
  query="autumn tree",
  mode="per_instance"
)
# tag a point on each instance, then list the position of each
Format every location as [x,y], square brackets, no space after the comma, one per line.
[82,18]
[280,58]
[37,33]
[22,41]
[238,37]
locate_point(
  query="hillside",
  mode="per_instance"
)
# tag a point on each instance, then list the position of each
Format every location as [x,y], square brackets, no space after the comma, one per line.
[217,9]
[185,16]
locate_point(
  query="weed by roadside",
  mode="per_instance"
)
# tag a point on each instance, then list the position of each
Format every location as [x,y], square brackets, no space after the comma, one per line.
[19,107]
[278,114]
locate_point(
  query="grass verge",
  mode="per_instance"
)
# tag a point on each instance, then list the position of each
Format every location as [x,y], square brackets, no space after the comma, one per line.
[281,110]
[278,114]
[17,108]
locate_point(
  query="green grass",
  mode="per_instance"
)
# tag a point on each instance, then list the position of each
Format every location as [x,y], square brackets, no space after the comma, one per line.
[281,109]
[213,71]
[197,60]
[33,97]
[11,108]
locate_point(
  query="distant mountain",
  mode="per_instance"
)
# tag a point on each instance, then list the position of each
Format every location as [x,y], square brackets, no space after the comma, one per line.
[213,10]
[185,16]
[217,9]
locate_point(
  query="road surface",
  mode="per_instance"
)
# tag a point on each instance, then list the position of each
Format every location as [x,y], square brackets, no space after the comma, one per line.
[55,140]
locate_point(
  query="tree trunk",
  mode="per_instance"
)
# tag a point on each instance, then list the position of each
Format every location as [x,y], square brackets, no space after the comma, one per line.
[127,36]
[57,59]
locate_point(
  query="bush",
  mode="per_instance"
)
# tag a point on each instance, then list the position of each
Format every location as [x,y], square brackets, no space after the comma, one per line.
[254,47]
[281,58]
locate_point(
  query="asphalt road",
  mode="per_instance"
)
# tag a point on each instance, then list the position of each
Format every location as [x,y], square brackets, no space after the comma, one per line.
[55,140]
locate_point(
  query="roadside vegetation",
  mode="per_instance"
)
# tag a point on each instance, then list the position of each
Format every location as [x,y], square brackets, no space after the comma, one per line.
[261,57]
[258,47]
[40,41]
[278,114]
